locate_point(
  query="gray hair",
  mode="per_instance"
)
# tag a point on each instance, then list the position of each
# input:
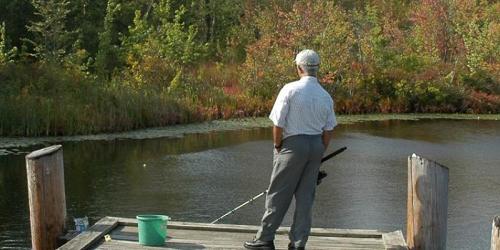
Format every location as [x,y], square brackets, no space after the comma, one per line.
[310,70]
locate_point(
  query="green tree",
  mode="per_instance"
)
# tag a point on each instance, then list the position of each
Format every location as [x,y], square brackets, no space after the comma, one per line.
[174,39]
[5,54]
[158,50]
[107,58]
[86,18]
[16,14]
[214,20]
[51,39]
[474,27]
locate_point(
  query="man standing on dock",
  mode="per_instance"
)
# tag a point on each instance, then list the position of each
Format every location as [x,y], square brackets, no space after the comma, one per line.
[303,119]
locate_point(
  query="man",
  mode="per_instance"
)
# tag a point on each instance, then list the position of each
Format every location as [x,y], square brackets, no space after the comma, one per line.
[303,120]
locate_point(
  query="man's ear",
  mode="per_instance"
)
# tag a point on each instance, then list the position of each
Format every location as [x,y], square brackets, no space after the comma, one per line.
[300,70]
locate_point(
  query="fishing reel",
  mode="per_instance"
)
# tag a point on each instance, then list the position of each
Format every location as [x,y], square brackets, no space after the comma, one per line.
[321,175]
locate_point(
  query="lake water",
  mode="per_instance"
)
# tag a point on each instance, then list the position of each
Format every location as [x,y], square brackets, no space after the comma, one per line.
[201,176]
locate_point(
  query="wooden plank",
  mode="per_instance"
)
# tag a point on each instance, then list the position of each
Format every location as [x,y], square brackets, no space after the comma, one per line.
[280,244]
[94,234]
[47,201]
[495,234]
[333,232]
[427,204]
[130,233]
[196,239]
[394,241]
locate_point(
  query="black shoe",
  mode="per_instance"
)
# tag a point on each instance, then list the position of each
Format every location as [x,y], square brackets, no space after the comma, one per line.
[259,244]
[291,247]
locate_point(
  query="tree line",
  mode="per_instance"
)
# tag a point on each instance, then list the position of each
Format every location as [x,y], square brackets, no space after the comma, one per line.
[81,66]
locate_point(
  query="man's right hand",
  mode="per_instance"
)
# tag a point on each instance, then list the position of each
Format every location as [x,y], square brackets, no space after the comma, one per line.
[326,136]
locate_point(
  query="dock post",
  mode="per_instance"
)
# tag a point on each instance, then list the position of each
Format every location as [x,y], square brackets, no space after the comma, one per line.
[427,204]
[45,173]
[495,234]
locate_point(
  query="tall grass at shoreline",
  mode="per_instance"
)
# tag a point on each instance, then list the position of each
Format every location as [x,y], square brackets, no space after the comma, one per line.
[50,102]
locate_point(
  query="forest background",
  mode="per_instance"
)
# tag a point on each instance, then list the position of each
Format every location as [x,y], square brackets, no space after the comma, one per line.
[83,66]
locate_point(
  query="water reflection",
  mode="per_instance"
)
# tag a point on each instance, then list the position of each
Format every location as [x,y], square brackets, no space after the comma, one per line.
[428,130]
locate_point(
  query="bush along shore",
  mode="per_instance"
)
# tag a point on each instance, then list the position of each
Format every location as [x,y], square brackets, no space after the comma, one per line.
[68,68]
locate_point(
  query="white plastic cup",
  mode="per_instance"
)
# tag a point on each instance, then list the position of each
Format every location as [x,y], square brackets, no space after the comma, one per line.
[81,224]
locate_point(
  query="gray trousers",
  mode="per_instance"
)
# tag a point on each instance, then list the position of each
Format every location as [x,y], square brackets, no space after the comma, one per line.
[295,173]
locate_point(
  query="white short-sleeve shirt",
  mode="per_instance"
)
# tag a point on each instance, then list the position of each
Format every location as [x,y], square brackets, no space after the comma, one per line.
[303,107]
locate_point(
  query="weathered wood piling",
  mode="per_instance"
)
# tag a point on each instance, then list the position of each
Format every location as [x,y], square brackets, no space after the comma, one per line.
[495,234]
[427,204]
[45,173]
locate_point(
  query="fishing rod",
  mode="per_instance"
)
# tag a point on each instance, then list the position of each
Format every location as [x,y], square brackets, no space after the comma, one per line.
[322,174]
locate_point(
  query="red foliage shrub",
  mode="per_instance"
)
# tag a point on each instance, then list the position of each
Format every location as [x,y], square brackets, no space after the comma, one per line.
[479,102]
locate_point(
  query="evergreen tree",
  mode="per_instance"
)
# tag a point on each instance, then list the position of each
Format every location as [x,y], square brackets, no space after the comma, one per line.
[86,18]
[107,58]
[16,14]
[51,39]
[5,55]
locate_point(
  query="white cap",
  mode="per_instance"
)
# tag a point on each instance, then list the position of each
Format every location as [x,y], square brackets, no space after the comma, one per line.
[307,57]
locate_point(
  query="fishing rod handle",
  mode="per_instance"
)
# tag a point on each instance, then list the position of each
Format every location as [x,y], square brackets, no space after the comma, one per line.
[328,157]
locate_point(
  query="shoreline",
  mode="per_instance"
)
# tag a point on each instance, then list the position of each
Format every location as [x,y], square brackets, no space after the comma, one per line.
[177,131]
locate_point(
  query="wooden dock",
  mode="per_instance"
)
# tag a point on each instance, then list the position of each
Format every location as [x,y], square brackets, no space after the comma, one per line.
[123,234]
